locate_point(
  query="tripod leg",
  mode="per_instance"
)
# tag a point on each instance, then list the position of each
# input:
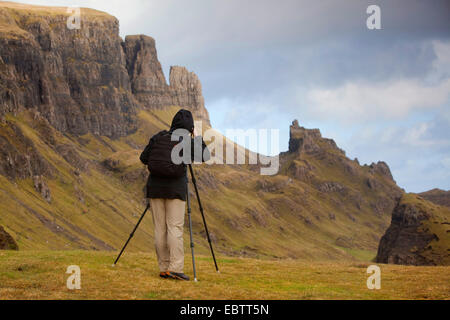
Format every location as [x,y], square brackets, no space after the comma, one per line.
[203,216]
[190,228]
[132,234]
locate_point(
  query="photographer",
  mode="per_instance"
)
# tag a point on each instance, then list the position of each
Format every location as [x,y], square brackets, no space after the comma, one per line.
[167,189]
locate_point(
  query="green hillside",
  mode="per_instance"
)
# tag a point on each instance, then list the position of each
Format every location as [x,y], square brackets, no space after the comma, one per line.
[96,186]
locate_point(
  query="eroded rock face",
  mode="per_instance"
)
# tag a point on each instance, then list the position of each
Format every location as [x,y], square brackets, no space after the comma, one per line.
[331,187]
[408,240]
[41,186]
[76,79]
[303,140]
[382,168]
[257,216]
[146,75]
[6,241]
[302,171]
[71,155]
[19,158]
[149,84]
[186,91]
[272,185]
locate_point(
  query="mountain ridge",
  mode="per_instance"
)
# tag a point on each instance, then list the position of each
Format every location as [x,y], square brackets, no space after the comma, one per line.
[437,196]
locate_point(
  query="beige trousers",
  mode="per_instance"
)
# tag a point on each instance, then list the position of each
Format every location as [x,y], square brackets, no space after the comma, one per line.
[168,219]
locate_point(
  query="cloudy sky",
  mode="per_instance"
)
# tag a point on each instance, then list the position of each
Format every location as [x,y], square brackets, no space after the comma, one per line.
[380,94]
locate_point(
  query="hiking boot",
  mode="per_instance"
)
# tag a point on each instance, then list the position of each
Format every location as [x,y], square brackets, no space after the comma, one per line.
[164,275]
[178,276]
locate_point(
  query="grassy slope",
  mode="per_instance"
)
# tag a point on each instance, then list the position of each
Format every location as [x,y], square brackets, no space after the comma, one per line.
[41,275]
[108,212]
[13,14]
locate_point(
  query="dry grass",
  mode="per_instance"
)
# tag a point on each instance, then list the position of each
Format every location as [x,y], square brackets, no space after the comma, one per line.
[41,275]
[14,17]
[47,10]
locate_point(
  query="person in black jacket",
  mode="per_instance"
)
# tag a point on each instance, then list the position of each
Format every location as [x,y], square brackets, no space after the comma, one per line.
[167,196]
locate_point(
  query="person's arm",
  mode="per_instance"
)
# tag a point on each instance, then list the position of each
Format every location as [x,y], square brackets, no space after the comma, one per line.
[195,154]
[145,154]
[206,153]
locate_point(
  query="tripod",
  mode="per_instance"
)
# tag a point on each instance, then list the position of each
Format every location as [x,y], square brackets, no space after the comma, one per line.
[132,234]
[188,201]
[190,224]
[203,217]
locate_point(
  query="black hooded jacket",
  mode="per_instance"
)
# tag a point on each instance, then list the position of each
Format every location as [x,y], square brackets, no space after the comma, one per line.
[172,188]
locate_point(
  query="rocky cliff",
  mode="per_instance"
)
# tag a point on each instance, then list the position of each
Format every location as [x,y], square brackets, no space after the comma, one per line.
[186,90]
[6,241]
[87,79]
[76,79]
[419,234]
[149,84]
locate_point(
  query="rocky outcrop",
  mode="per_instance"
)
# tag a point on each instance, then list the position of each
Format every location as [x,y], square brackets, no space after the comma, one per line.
[273,185]
[301,170]
[381,168]
[149,84]
[302,140]
[146,75]
[257,216]
[6,241]
[331,186]
[41,186]
[19,157]
[71,155]
[186,91]
[418,234]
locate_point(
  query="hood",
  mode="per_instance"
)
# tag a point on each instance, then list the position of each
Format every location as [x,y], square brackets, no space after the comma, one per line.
[183,120]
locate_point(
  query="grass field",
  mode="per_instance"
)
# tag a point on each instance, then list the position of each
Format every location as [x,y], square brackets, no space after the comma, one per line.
[42,275]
